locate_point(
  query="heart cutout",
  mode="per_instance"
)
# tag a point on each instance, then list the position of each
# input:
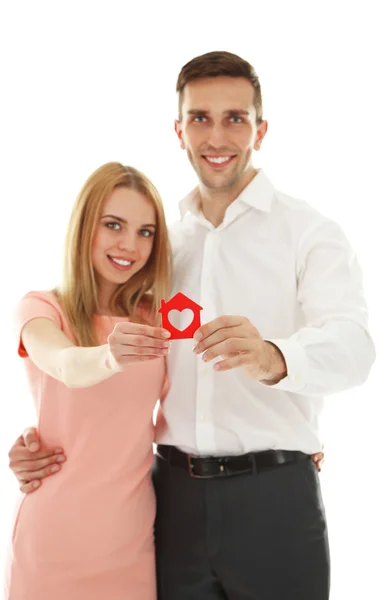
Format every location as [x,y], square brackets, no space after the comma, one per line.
[181,319]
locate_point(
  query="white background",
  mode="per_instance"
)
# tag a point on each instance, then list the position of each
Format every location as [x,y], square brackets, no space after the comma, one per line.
[84,83]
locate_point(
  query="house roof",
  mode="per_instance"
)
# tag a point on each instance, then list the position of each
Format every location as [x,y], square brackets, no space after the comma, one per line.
[178,299]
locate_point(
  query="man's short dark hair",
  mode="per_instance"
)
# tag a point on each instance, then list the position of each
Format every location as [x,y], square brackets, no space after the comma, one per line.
[217,64]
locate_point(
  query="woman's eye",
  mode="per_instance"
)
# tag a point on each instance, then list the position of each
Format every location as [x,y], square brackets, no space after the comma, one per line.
[113,225]
[146,233]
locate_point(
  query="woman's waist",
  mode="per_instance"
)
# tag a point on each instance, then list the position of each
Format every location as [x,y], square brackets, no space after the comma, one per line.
[96,470]
[91,441]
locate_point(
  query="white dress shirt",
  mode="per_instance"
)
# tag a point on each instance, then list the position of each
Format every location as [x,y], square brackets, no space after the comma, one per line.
[293,274]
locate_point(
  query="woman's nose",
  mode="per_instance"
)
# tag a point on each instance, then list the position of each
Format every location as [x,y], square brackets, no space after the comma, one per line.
[128,243]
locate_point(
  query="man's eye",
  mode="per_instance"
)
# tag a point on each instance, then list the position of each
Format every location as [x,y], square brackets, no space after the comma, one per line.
[146,233]
[199,119]
[236,119]
[113,225]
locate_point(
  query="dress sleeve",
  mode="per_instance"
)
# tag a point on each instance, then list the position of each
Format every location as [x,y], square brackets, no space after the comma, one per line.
[35,305]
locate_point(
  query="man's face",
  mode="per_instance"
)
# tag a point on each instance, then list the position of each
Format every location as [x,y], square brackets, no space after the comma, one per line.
[219,130]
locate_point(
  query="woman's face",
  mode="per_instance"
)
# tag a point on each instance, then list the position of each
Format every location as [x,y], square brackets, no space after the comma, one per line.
[124,237]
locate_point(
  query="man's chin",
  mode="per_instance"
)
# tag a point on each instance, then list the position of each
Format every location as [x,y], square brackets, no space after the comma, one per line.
[218,182]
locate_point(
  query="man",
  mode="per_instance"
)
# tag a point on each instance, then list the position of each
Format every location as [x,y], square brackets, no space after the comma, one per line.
[240,514]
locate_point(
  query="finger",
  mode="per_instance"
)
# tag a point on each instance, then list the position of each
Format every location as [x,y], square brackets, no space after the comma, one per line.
[117,339]
[220,336]
[22,454]
[219,323]
[228,348]
[139,346]
[131,359]
[27,476]
[318,460]
[232,362]
[318,457]
[27,488]
[142,330]
[31,439]
[21,466]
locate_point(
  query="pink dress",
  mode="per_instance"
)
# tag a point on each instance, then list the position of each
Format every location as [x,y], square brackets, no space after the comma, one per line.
[87,533]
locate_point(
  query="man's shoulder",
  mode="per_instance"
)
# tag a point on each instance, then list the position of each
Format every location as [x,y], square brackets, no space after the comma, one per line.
[298,213]
[294,206]
[307,225]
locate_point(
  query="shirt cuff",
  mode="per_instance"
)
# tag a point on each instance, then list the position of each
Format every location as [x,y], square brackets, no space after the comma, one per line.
[297,365]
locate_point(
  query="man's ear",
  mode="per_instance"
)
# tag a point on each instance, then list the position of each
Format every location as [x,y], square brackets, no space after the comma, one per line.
[179,133]
[261,131]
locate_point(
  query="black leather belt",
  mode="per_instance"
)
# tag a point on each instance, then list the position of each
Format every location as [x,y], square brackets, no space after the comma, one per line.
[227,466]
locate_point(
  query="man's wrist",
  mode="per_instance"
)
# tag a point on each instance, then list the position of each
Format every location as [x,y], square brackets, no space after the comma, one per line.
[278,366]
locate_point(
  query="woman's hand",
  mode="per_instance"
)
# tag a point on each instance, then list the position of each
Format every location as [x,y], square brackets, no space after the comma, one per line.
[131,342]
[318,459]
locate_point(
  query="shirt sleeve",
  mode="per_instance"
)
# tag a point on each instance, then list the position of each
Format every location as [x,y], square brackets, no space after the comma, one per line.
[33,306]
[334,350]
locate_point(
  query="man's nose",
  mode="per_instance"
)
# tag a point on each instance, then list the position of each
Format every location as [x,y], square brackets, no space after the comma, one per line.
[216,135]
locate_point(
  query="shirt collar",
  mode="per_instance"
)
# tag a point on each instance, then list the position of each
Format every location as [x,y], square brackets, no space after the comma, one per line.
[258,194]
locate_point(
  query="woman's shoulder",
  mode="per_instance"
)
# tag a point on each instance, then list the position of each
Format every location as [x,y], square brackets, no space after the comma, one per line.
[40,303]
[49,296]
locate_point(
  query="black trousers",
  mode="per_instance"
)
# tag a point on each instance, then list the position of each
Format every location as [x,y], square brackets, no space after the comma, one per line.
[247,537]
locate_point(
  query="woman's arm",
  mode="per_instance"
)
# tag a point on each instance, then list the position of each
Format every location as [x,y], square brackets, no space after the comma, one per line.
[55,354]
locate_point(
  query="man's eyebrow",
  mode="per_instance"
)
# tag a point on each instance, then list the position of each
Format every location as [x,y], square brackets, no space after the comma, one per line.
[231,111]
[116,218]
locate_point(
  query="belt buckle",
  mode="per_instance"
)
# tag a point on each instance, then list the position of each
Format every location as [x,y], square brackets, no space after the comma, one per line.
[221,462]
[191,469]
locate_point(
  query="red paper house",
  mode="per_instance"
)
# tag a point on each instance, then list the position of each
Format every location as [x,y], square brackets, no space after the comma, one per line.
[180,302]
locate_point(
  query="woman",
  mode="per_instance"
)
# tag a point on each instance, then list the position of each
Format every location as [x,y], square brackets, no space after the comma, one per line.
[89,534]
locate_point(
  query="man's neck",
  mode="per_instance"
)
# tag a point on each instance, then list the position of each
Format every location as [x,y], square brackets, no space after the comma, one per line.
[214,202]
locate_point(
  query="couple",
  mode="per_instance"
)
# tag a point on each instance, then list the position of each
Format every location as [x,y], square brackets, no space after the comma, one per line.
[239,508]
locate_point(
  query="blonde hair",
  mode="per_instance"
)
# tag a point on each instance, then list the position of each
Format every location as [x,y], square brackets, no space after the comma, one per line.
[78,293]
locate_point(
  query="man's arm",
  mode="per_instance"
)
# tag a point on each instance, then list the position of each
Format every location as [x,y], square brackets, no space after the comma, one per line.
[334,350]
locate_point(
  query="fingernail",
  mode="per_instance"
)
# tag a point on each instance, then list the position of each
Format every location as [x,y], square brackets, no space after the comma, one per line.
[216,367]
[196,349]
[35,484]
[55,468]
[34,446]
[204,356]
[58,451]
[198,336]
[166,334]
[61,459]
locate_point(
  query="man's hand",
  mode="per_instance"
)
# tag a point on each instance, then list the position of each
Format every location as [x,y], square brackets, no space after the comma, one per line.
[30,463]
[239,343]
